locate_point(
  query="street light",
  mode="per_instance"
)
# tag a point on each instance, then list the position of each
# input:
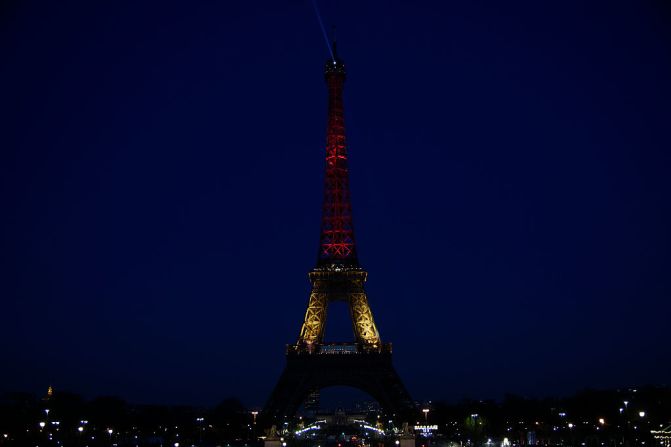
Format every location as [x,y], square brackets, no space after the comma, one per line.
[254,413]
[641,414]
[426,414]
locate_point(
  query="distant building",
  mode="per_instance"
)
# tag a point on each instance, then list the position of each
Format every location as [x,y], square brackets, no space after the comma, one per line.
[50,394]
[663,436]
[531,438]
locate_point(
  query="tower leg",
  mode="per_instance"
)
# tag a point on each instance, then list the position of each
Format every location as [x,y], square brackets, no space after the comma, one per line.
[315,318]
[362,320]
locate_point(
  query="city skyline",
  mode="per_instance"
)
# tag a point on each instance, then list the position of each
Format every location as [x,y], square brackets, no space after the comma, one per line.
[162,181]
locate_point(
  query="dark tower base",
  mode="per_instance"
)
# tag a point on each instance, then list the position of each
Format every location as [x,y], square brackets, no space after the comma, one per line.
[371,372]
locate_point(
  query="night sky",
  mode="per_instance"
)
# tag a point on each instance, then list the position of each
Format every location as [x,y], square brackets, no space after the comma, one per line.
[161,178]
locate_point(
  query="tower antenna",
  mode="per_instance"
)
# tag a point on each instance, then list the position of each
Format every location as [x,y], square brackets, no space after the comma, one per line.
[334,54]
[321,25]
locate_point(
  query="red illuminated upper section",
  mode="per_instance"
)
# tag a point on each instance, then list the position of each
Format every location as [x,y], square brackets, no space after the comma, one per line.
[336,242]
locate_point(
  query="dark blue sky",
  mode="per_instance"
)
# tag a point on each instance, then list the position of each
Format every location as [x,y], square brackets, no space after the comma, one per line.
[161,175]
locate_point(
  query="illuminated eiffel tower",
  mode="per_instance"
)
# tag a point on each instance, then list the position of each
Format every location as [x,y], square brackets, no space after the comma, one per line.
[312,363]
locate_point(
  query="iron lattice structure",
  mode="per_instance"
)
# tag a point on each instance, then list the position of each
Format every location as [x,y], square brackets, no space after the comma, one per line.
[336,241]
[338,275]
[342,285]
[313,364]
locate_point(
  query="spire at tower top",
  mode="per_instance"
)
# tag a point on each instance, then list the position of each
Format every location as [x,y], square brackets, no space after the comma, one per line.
[334,65]
[334,42]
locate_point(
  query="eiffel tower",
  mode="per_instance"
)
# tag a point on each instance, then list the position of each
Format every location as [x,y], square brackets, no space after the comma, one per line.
[312,363]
